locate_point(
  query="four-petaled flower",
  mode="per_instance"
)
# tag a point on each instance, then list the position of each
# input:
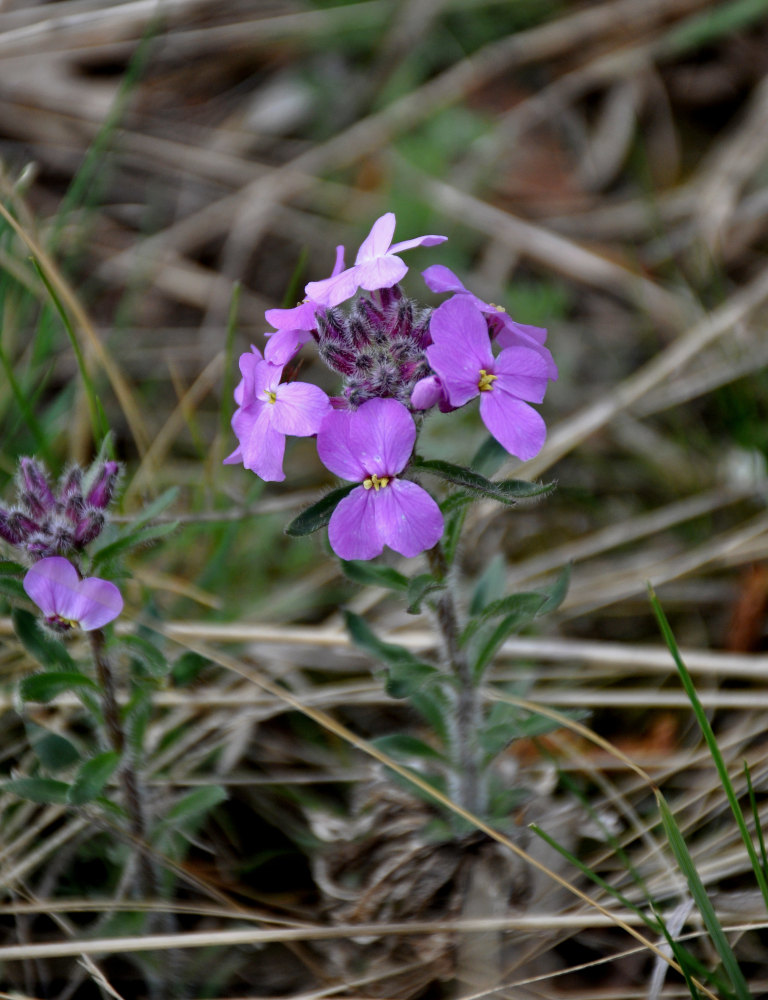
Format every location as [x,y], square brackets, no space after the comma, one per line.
[69,602]
[268,410]
[461,357]
[376,265]
[507,332]
[370,446]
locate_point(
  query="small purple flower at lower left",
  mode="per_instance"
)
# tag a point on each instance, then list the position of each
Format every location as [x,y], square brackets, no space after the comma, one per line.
[371,446]
[66,600]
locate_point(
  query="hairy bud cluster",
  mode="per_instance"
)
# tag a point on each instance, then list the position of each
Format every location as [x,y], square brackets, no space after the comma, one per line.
[50,522]
[378,347]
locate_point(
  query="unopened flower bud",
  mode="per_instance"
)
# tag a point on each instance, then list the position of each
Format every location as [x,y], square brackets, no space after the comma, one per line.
[34,491]
[101,493]
[88,527]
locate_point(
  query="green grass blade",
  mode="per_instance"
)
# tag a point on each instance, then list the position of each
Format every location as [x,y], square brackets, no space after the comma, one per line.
[27,414]
[99,425]
[756,817]
[711,741]
[702,900]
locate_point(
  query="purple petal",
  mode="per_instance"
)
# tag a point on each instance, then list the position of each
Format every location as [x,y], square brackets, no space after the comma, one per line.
[299,408]
[300,317]
[521,372]
[261,446]
[382,433]
[352,530]
[417,241]
[283,345]
[507,339]
[514,424]
[47,580]
[97,602]
[336,450]
[460,348]
[427,392]
[338,266]
[383,272]
[439,278]
[53,584]
[333,291]
[408,519]
[378,241]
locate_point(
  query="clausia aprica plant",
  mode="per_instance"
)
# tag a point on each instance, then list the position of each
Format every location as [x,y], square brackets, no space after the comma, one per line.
[399,359]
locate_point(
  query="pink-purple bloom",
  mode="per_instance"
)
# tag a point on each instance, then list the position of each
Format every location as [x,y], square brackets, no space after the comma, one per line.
[502,327]
[371,446]
[376,265]
[461,357]
[268,410]
[67,601]
[294,327]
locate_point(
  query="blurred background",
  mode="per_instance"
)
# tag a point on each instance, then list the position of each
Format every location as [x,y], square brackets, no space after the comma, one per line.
[601,169]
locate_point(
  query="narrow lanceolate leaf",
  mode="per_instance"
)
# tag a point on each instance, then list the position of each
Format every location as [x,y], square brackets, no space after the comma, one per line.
[92,777]
[406,747]
[366,572]
[406,673]
[506,491]
[319,514]
[519,609]
[419,588]
[55,752]
[556,592]
[194,805]
[45,687]
[43,790]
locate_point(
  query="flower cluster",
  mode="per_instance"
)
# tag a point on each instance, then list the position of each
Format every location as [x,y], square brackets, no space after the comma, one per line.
[396,359]
[51,524]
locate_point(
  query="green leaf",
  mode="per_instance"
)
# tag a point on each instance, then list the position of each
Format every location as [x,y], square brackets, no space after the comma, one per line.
[55,752]
[134,538]
[42,790]
[187,668]
[419,588]
[194,805]
[13,589]
[10,568]
[371,573]
[556,592]
[146,653]
[47,650]
[506,491]
[489,457]
[489,585]
[519,609]
[319,514]
[46,686]
[92,777]
[406,673]
[401,745]
[434,705]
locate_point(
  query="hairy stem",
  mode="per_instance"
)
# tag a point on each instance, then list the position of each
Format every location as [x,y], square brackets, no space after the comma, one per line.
[469,787]
[129,778]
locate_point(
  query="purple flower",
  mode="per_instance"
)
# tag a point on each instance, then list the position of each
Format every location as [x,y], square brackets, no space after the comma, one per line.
[267,411]
[293,327]
[370,446]
[66,600]
[376,265]
[462,358]
[507,332]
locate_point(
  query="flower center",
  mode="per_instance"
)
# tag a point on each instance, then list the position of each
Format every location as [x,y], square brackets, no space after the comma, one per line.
[61,624]
[374,483]
[271,395]
[485,381]
[499,309]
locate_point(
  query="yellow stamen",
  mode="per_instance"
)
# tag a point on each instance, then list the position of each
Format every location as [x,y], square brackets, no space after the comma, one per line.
[486,380]
[374,483]
[499,309]
[271,396]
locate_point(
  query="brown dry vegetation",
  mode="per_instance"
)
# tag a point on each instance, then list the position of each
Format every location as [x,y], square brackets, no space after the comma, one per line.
[601,169]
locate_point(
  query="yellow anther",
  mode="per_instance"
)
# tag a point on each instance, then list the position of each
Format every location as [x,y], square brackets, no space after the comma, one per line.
[499,309]
[271,396]
[485,382]
[374,483]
